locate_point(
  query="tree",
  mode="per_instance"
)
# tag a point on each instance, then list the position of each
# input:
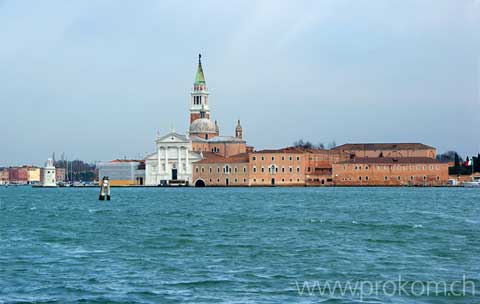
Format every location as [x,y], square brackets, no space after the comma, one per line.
[459,168]
[77,170]
[332,144]
[307,145]
[476,163]
[298,143]
[456,161]
[303,144]
[448,156]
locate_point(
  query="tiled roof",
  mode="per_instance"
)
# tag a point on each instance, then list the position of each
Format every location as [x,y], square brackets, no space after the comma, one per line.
[195,138]
[298,150]
[392,160]
[384,146]
[216,139]
[282,150]
[225,139]
[212,158]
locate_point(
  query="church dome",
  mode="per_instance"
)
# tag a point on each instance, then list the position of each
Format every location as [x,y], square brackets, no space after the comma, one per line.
[202,125]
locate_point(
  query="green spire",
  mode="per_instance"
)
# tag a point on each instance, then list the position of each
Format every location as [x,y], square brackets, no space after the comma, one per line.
[199,78]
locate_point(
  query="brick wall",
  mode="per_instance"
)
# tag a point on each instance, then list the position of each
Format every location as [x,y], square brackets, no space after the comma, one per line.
[387,174]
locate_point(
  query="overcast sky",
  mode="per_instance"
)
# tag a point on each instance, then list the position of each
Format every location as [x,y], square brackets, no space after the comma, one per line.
[98,79]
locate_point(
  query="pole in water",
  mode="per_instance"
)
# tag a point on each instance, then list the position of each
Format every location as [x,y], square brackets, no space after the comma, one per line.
[105,189]
[108,189]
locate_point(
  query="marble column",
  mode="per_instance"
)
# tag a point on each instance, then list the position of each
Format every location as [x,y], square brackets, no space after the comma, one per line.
[159,163]
[179,159]
[166,160]
[187,166]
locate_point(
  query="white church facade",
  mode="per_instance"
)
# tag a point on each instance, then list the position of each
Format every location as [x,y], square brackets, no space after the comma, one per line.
[171,164]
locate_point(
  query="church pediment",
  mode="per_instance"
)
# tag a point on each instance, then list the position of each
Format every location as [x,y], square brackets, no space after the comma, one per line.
[173,138]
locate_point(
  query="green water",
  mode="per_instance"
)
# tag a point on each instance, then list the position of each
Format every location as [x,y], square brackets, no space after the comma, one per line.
[237,245]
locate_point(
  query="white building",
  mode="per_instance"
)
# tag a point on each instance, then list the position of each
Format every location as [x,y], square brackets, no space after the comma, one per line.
[171,164]
[48,177]
[122,172]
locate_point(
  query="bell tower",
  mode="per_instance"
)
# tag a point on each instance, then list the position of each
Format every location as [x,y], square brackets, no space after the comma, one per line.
[238,130]
[199,95]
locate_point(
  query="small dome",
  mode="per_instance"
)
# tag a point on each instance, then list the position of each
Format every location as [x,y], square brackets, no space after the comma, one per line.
[202,125]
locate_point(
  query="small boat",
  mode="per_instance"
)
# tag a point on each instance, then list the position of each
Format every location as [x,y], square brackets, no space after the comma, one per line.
[475,183]
[471,184]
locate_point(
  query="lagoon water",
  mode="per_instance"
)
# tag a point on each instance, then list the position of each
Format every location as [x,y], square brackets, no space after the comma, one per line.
[235,245]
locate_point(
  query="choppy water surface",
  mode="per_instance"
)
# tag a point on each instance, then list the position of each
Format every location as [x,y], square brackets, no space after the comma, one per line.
[234,245]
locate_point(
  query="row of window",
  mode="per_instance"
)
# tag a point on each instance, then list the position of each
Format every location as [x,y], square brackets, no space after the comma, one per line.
[386,178]
[325,170]
[197,100]
[398,167]
[228,169]
[226,180]
[225,169]
[274,169]
[323,158]
[273,158]
[283,180]
[254,180]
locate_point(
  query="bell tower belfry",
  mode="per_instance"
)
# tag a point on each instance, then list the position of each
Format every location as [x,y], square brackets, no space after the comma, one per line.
[199,95]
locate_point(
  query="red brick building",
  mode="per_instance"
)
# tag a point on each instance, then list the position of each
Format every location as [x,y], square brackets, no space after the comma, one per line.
[281,167]
[388,171]
[60,174]
[277,167]
[18,175]
[314,167]
[217,170]
[387,150]
[318,166]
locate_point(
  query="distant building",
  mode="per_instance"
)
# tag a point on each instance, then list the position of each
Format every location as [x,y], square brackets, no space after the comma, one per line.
[60,174]
[204,157]
[4,179]
[319,166]
[33,175]
[172,161]
[122,172]
[388,171]
[18,175]
[387,150]
[280,167]
[217,170]
[48,178]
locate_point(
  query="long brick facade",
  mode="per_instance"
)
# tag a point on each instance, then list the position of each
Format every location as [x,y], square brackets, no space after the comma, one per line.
[387,150]
[315,167]
[408,171]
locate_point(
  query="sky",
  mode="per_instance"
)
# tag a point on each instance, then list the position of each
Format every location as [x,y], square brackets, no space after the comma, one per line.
[97,80]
